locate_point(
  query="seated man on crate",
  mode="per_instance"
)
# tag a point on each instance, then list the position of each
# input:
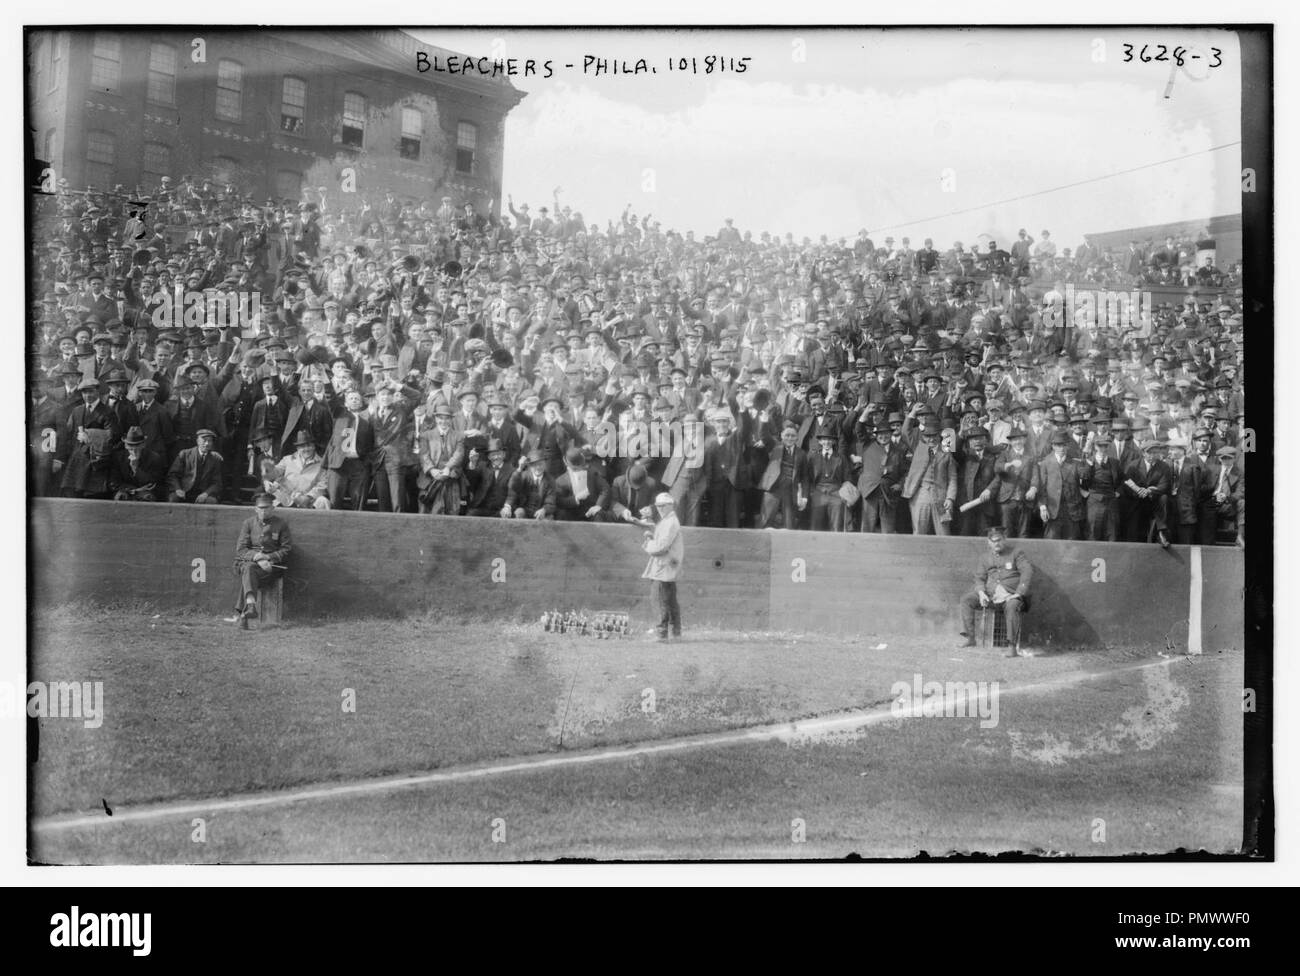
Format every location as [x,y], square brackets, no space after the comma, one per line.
[1002,579]
[261,552]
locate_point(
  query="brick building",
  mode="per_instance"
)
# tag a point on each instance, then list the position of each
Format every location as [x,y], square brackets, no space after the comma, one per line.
[274,110]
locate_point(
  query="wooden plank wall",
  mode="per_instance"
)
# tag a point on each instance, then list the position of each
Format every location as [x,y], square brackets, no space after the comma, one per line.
[350,564]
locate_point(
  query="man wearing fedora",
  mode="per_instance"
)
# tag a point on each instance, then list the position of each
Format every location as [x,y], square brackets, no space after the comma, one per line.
[300,480]
[138,473]
[1060,498]
[531,492]
[880,482]
[262,551]
[494,483]
[666,549]
[1017,475]
[931,483]
[440,454]
[581,493]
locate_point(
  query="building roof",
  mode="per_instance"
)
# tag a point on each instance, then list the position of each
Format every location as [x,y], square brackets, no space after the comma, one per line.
[395,50]
[1223,224]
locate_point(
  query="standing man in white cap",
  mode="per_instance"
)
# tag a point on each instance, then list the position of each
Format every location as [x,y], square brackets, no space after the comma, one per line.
[665,548]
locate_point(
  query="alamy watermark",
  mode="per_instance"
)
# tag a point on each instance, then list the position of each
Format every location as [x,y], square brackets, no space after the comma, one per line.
[945,699]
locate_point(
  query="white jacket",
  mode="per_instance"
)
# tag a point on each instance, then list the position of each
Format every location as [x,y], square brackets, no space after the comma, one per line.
[666,551]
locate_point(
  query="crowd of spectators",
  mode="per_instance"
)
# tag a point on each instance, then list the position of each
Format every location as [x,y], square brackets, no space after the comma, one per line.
[411,356]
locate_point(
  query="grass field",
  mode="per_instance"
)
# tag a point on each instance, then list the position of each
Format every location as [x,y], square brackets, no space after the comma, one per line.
[195,710]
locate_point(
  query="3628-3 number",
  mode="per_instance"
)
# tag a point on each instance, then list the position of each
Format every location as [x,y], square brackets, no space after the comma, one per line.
[1179,55]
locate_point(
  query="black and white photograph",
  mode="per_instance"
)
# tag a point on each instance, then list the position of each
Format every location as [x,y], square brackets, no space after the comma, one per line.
[519,445]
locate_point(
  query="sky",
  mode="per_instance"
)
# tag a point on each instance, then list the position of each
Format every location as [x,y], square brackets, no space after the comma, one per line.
[917,133]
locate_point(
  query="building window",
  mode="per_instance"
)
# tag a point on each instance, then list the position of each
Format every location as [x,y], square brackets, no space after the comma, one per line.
[230,91]
[412,132]
[293,105]
[162,74]
[288,184]
[354,120]
[224,169]
[466,144]
[101,156]
[157,162]
[106,63]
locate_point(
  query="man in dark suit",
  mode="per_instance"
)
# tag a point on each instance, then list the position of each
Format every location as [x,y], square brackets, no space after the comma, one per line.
[188,415]
[308,411]
[1186,485]
[86,444]
[1146,483]
[633,494]
[1127,453]
[548,433]
[494,483]
[393,449]
[153,418]
[727,470]
[531,494]
[138,474]
[347,457]
[786,481]
[1017,475]
[880,482]
[262,550]
[931,483]
[195,475]
[1104,480]
[501,426]
[977,484]
[829,470]
[684,476]
[1207,515]
[581,494]
[1060,499]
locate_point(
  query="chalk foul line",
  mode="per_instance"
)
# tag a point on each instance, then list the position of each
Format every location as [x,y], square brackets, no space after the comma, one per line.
[794,731]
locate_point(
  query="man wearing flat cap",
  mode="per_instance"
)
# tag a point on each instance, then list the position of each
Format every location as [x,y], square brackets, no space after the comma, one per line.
[666,549]
[195,475]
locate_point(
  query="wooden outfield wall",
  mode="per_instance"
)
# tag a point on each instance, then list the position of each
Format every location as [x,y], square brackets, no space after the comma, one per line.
[348,564]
